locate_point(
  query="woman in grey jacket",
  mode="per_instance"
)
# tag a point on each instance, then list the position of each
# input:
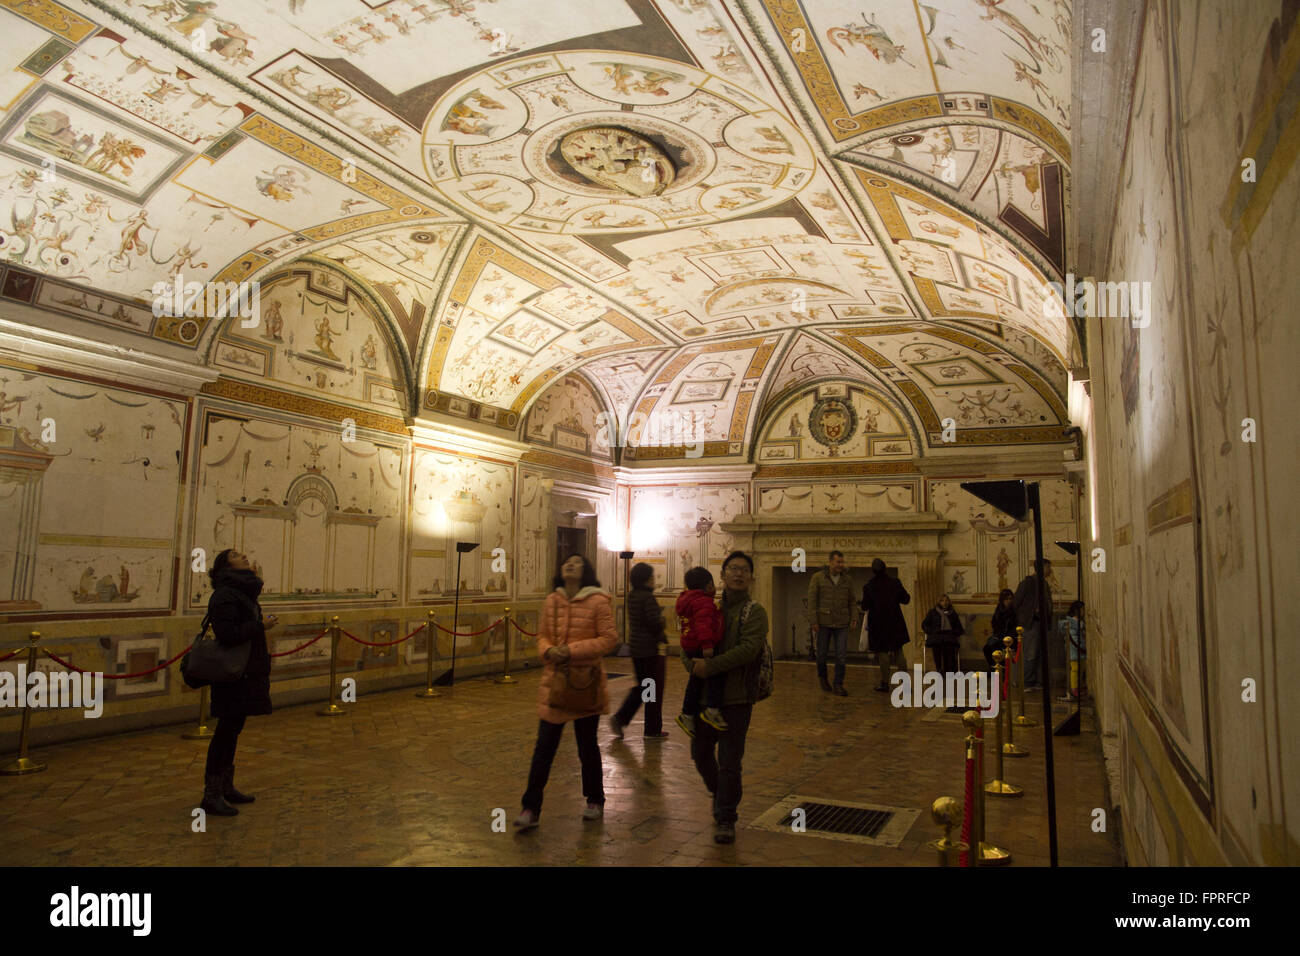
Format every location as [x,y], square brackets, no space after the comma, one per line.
[648,644]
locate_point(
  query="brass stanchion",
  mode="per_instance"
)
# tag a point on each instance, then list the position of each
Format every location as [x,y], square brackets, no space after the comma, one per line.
[202,731]
[1011,748]
[430,638]
[22,763]
[997,786]
[1022,720]
[946,812]
[505,677]
[989,855]
[333,710]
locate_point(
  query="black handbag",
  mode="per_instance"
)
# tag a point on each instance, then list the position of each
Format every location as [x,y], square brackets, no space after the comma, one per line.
[208,661]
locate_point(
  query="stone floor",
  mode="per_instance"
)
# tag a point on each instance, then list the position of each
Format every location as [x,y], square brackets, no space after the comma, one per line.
[410,782]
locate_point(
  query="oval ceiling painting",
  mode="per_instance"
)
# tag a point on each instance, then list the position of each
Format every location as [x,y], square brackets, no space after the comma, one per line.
[618,159]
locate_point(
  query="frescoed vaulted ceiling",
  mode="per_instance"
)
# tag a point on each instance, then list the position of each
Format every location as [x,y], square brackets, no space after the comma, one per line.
[673,210]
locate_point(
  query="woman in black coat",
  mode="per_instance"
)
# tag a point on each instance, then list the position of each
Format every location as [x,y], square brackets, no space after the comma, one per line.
[236,618]
[943,630]
[882,600]
[648,643]
[1003,625]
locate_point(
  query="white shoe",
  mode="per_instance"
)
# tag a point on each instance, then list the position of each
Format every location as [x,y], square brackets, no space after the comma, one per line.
[594,811]
[526,820]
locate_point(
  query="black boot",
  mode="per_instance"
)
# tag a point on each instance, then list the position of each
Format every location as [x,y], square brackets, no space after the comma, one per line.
[228,788]
[213,801]
[826,685]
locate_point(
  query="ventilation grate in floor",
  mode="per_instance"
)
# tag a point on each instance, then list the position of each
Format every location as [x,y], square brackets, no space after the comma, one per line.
[834,818]
[839,820]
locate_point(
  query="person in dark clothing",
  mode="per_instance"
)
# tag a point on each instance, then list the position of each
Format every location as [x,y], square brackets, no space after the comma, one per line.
[943,630]
[882,600]
[718,754]
[648,643]
[235,618]
[1004,625]
[1036,625]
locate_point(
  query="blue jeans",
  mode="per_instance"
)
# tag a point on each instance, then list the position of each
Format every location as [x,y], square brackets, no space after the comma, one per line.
[824,635]
[1033,647]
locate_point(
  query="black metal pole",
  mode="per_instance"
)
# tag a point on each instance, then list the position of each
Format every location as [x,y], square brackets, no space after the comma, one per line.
[1045,668]
[455,621]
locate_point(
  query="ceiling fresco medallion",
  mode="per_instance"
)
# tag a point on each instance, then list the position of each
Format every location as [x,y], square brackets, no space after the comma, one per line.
[598,142]
[618,159]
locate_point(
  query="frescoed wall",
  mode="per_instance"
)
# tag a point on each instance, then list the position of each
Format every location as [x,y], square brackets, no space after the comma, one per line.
[674,529]
[1188,499]
[318,512]
[90,479]
[457,498]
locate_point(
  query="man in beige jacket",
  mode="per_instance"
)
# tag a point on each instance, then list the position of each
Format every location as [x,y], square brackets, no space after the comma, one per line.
[833,613]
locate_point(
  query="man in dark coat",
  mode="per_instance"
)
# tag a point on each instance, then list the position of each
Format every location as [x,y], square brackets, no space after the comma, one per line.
[648,643]
[235,618]
[882,600]
[1028,617]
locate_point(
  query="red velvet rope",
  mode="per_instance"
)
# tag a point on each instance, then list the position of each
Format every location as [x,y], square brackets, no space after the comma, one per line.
[517,627]
[969,807]
[385,643]
[301,646]
[153,670]
[447,630]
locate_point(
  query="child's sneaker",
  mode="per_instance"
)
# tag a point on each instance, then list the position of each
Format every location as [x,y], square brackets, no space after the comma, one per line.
[526,820]
[687,723]
[594,811]
[713,717]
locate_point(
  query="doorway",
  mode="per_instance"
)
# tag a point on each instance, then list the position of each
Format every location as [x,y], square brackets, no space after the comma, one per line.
[569,541]
[791,623]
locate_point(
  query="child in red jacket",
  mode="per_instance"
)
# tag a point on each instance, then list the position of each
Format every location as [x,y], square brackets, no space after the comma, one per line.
[701,629]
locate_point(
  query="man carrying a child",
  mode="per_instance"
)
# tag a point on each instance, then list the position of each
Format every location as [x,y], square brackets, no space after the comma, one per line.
[736,663]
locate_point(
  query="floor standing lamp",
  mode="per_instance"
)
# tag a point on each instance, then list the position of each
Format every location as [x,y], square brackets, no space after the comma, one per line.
[627,557]
[462,547]
[1019,500]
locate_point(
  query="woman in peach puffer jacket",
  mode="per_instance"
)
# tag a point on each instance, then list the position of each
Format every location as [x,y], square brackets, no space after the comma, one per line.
[577,628]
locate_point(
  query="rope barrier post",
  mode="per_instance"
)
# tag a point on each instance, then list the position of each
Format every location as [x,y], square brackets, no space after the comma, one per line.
[430,635]
[22,763]
[968,800]
[1010,748]
[505,677]
[333,710]
[202,731]
[945,812]
[1022,720]
[998,786]
[984,854]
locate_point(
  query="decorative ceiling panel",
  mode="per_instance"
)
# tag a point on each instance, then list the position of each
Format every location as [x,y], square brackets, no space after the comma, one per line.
[508,328]
[590,142]
[693,204]
[869,68]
